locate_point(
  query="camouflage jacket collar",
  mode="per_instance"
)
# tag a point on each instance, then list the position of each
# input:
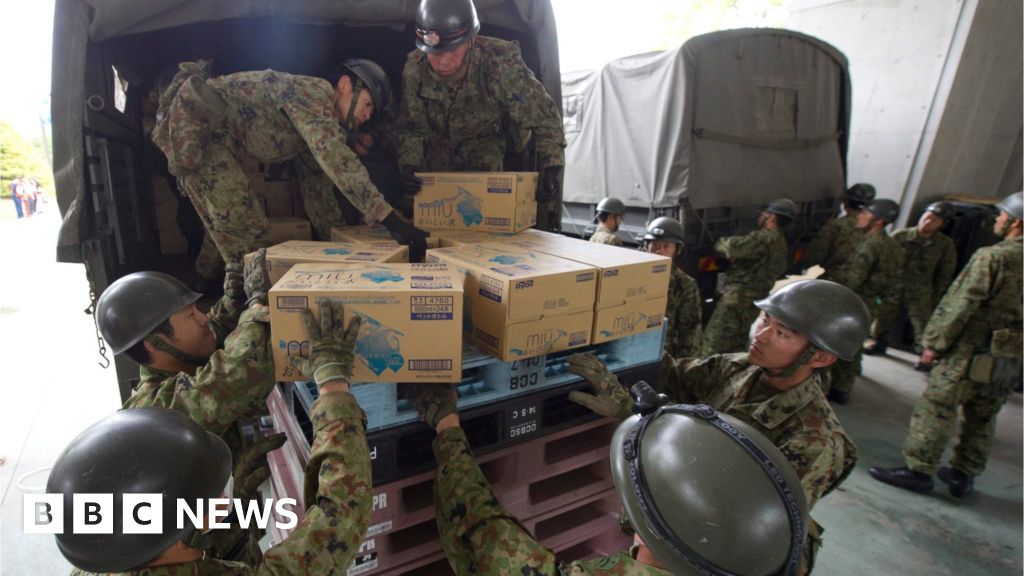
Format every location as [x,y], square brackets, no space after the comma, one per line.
[150,374]
[779,407]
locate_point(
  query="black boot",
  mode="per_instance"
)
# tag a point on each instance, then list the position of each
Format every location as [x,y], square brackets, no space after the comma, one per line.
[922,367]
[878,348]
[960,484]
[903,478]
[838,396]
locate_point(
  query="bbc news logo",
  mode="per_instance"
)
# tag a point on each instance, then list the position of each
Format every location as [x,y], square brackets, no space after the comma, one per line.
[144,513]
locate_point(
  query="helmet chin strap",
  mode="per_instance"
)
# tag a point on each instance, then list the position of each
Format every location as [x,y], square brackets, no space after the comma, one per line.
[350,119]
[166,347]
[801,360]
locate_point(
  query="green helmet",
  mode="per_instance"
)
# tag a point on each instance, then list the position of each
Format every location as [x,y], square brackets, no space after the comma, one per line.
[443,25]
[137,451]
[664,228]
[707,493]
[1013,205]
[375,79]
[134,305]
[829,315]
[861,193]
[884,209]
[943,210]
[782,207]
[611,206]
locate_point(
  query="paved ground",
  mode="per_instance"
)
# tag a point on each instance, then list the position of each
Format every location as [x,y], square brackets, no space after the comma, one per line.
[53,388]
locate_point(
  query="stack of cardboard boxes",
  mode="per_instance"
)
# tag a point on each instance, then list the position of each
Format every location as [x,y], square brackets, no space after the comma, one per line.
[282,202]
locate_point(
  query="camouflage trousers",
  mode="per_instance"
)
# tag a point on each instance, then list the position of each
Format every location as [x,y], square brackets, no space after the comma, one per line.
[919,311]
[935,418]
[728,330]
[843,374]
[480,537]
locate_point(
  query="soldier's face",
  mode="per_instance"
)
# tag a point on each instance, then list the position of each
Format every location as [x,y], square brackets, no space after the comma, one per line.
[930,223]
[864,219]
[663,248]
[1003,223]
[773,345]
[449,63]
[192,334]
[364,102]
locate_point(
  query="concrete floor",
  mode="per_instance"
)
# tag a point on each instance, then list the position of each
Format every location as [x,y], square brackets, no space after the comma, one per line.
[53,389]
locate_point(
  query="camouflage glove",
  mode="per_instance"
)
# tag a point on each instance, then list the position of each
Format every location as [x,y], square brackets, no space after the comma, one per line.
[609,398]
[252,469]
[550,184]
[234,284]
[432,401]
[256,280]
[332,346]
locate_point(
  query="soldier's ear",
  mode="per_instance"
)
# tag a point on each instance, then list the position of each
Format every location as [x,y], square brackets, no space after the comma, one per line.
[344,85]
[822,359]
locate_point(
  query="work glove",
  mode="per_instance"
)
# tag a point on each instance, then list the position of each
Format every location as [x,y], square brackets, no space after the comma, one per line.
[409,235]
[256,281]
[550,184]
[234,282]
[609,398]
[331,345]
[432,401]
[411,183]
[252,469]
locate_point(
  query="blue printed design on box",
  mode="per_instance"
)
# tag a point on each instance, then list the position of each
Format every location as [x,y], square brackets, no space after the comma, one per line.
[379,346]
[381,276]
[337,251]
[626,324]
[467,205]
[505,259]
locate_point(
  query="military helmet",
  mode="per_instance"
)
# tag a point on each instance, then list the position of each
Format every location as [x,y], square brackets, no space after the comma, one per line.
[1013,205]
[375,79]
[664,228]
[829,315]
[611,206]
[861,193]
[707,493]
[884,209]
[782,207]
[134,305]
[443,25]
[136,451]
[943,210]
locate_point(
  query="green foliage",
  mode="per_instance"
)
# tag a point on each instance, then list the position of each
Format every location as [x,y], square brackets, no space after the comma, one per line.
[19,157]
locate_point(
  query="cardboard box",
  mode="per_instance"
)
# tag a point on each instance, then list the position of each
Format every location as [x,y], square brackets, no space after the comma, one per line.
[281,257]
[284,229]
[484,201]
[279,199]
[411,318]
[374,236]
[521,304]
[628,318]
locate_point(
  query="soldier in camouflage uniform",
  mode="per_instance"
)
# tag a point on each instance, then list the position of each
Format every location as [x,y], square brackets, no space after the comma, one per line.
[610,212]
[664,237]
[873,273]
[154,444]
[467,98]
[206,126]
[835,242]
[977,322]
[929,259]
[774,387]
[757,260]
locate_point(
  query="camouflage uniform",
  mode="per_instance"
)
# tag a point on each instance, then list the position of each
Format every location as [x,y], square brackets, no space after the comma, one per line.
[605,236]
[337,495]
[873,273]
[480,537]
[758,260]
[985,297]
[499,103]
[929,264]
[835,243]
[683,333]
[206,126]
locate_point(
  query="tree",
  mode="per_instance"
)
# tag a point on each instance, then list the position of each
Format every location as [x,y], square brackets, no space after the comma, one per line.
[18,157]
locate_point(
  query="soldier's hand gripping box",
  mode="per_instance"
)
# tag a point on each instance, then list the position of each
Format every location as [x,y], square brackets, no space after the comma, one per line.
[484,201]
[282,257]
[521,304]
[411,318]
[373,235]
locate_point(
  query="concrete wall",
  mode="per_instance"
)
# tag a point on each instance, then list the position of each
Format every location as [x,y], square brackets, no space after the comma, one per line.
[937,93]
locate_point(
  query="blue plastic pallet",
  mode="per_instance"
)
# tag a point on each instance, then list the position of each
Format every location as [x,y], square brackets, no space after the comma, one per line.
[487,379]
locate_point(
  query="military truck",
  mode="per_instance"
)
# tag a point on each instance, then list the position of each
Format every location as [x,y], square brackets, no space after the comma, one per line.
[707,133]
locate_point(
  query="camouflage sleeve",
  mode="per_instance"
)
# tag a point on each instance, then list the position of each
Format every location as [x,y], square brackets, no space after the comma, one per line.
[317,196]
[960,302]
[683,333]
[326,142]
[746,247]
[819,247]
[858,267]
[692,380]
[820,461]
[531,108]
[224,317]
[412,118]
[337,491]
[944,270]
[234,383]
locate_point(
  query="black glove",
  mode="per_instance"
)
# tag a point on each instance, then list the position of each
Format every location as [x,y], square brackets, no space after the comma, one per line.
[409,235]
[550,184]
[411,183]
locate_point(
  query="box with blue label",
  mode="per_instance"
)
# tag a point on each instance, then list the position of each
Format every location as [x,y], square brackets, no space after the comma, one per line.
[411,318]
[281,257]
[521,304]
[482,201]
[373,235]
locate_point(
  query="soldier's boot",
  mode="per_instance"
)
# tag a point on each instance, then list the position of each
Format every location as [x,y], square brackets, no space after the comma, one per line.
[877,347]
[903,478]
[960,483]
